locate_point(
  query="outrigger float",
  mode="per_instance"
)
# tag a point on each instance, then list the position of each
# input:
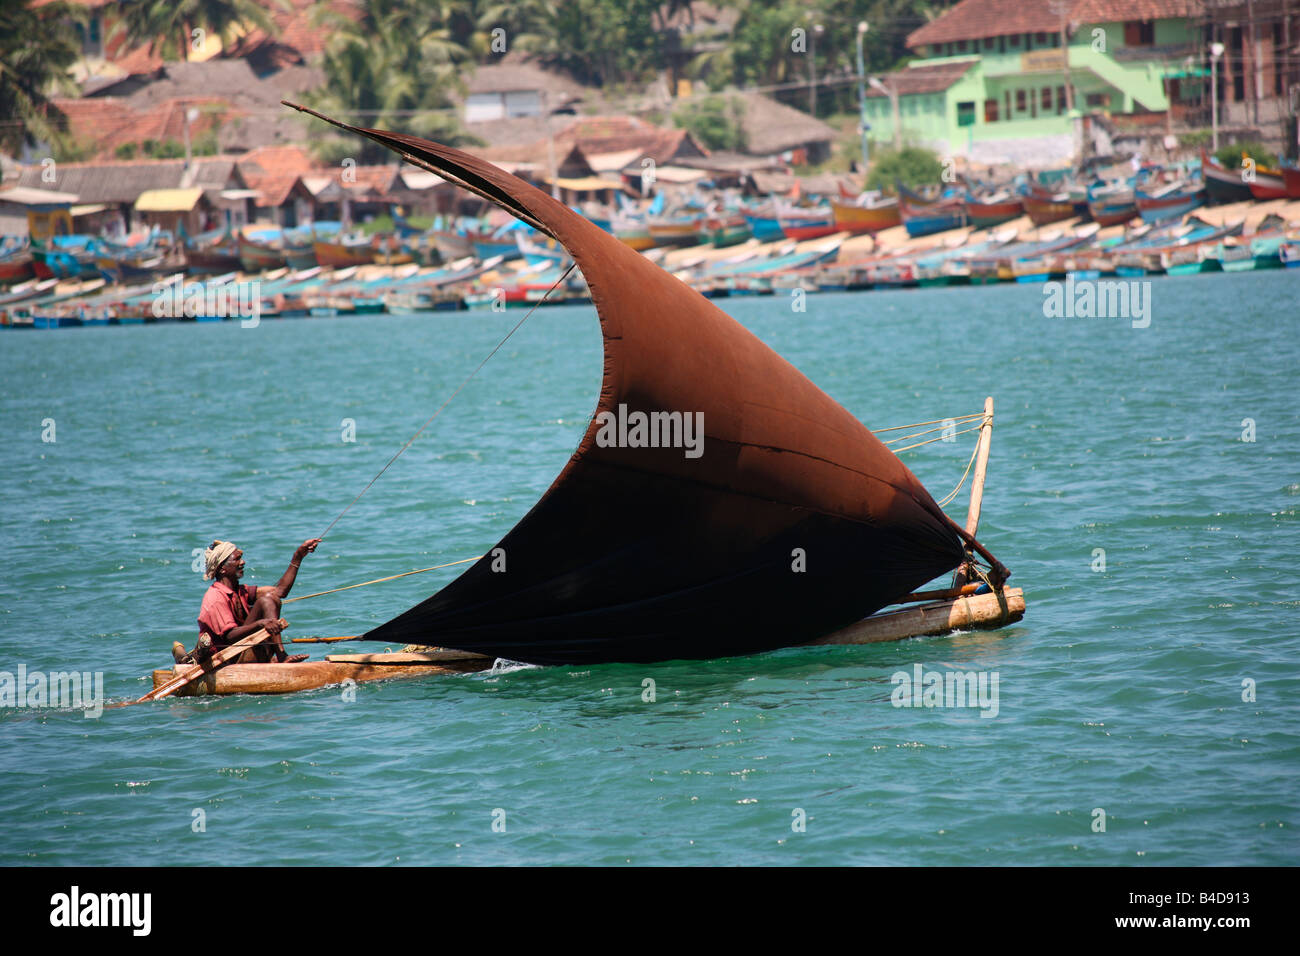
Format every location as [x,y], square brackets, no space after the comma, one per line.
[791,524]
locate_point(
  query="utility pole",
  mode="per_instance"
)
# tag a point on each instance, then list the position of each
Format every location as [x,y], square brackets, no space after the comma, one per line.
[892,92]
[863,125]
[1253,78]
[1216,51]
[550,148]
[1062,7]
[812,69]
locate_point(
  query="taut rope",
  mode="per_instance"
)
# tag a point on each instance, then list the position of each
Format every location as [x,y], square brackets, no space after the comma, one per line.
[494,351]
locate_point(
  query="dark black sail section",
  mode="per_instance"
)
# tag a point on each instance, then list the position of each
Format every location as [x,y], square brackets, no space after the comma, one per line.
[792,521]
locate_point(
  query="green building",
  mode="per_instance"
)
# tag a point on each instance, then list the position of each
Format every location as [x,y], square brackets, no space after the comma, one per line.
[998,78]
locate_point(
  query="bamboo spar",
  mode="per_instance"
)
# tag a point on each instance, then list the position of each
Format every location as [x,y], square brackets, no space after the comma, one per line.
[216,661]
[977,483]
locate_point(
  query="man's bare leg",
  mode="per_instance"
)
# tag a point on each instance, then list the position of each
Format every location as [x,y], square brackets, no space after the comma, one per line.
[272,649]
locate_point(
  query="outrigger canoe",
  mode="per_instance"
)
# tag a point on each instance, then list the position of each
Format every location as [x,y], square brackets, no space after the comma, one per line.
[334,669]
[799,526]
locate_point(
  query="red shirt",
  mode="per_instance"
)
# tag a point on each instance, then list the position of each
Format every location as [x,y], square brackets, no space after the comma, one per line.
[224,609]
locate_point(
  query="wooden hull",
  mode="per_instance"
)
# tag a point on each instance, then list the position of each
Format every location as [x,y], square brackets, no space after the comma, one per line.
[1171,206]
[256,257]
[216,260]
[858,219]
[339,256]
[16,269]
[802,231]
[309,675]
[1268,184]
[1223,186]
[1043,211]
[977,612]
[638,239]
[983,215]
[1291,178]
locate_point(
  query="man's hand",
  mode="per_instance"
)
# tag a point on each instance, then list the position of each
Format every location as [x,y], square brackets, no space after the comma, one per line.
[306,548]
[273,625]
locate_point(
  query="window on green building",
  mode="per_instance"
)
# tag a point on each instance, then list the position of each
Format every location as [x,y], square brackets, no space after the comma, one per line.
[1006,95]
[966,113]
[990,111]
[1139,33]
[1060,99]
[1046,101]
[989,42]
[1020,101]
[1040,39]
[961,46]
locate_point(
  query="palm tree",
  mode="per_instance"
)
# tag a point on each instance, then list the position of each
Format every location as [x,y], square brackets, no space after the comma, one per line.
[37,46]
[394,67]
[160,22]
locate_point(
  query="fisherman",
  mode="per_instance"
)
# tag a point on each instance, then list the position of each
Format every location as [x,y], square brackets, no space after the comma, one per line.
[231,610]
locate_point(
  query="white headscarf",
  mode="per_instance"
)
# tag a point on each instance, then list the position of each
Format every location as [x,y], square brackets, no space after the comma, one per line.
[217,555]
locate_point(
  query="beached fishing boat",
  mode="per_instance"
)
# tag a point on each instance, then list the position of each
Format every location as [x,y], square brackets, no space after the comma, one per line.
[988,210]
[764,224]
[213,253]
[15,263]
[341,255]
[1043,209]
[1222,185]
[723,231]
[802,223]
[674,230]
[1291,179]
[1288,253]
[925,215]
[1112,204]
[1267,183]
[868,214]
[1170,201]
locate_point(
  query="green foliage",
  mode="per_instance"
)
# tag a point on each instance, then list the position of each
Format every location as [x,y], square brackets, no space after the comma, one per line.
[394,68]
[167,149]
[70,150]
[716,121]
[1231,155]
[914,166]
[37,46]
[1195,139]
[205,144]
[168,26]
[126,151]
[764,51]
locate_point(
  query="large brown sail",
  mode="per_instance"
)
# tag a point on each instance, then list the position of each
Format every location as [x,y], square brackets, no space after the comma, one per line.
[791,521]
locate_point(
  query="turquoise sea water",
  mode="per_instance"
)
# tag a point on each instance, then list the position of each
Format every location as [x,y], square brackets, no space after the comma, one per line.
[1121,690]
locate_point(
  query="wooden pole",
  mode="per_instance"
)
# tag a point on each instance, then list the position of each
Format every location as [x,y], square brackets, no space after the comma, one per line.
[977,483]
[216,661]
[980,611]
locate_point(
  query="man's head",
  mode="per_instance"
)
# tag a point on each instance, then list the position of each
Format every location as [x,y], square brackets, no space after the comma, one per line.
[224,559]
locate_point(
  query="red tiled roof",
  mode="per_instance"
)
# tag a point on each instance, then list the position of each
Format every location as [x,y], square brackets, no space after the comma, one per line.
[976,19]
[273,171]
[267,160]
[106,122]
[297,30]
[1117,11]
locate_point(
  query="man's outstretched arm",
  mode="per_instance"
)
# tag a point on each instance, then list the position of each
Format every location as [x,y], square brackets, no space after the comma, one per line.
[282,587]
